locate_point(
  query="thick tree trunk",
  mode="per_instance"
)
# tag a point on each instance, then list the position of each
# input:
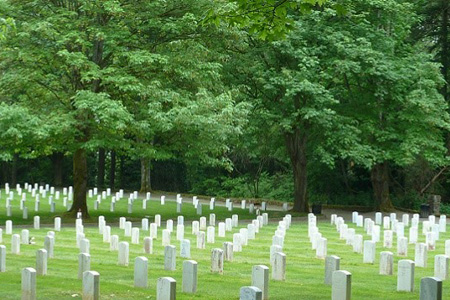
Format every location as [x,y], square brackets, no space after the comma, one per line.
[380,183]
[145,175]
[14,170]
[80,183]
[296,147]
[112,170]
[101,168]
[57,160]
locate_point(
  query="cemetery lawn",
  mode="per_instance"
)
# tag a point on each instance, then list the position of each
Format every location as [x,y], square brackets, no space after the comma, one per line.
[167,211]
[304,273]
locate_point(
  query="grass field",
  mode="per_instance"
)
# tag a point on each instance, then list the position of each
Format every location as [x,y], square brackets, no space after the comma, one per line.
[304,275]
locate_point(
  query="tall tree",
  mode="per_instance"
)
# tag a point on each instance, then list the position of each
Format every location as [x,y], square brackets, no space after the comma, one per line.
[349,86]
[118,75]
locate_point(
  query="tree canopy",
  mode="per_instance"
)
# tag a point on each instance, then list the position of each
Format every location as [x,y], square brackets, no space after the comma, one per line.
[259,98]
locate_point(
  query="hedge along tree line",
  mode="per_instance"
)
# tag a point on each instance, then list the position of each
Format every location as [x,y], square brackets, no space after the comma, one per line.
[346,84]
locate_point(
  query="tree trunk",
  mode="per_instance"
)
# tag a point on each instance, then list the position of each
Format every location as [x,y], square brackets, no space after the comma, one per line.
[80,183]
[145,175]
[380,183]
[57,160]
[101,168]
[112,170]
[296,147]
[5,173]
[121,169]
[14,171]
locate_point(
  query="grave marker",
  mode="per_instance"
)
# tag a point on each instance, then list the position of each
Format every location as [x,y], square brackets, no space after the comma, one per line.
[386,263]
[141,272]
[166,288]
[250,293]
[189,276]
[405,276]
[91,285]
[28,284]
[41,262]
[170,258]
[279,266]
[341,286]
[332,263]
[84,264]
[430,288]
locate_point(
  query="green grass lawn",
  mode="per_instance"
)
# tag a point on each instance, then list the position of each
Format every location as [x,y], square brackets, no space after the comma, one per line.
[304,276]
[167,211]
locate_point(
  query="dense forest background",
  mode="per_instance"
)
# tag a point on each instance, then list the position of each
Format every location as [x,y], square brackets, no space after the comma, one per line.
[336,102]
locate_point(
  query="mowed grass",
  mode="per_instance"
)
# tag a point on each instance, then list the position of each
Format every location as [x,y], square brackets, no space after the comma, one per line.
[167,211]
[304,275]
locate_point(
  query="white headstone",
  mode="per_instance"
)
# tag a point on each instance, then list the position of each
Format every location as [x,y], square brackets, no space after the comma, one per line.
[332,263]
[405,276]
[185,248]
[369,252]
[141,272]
[180,232]
[421,255]
[228,251]
[84,264]
[124,253]
[170,258]
[166,237]
[260,279]
[358,243]
[250,293]
[341,285]
[210,237]
[91,285]
[441,265]
[28,284]
[279,266]
[217,260]
[189,276]
[166,288]
[41,262]
[135,235]
[2,258]
[321,251]
[386,263]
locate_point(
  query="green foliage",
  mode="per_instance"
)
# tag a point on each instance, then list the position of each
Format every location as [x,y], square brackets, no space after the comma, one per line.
[267,19]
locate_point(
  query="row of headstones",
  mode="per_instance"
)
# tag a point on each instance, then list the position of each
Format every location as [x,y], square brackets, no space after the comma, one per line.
[36,189]
[421,249]
[405,280]
[430,287]
[165,286]
[318,242]
[216,259]
[391,222]
[123,247]
[36,192]
[356,240]
[277,256]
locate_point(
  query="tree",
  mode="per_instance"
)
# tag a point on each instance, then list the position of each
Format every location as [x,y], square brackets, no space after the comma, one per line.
[109,74]
[268,19]
[349,86]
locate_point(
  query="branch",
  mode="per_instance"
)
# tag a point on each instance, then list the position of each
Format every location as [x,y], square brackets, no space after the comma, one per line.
[433,180]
